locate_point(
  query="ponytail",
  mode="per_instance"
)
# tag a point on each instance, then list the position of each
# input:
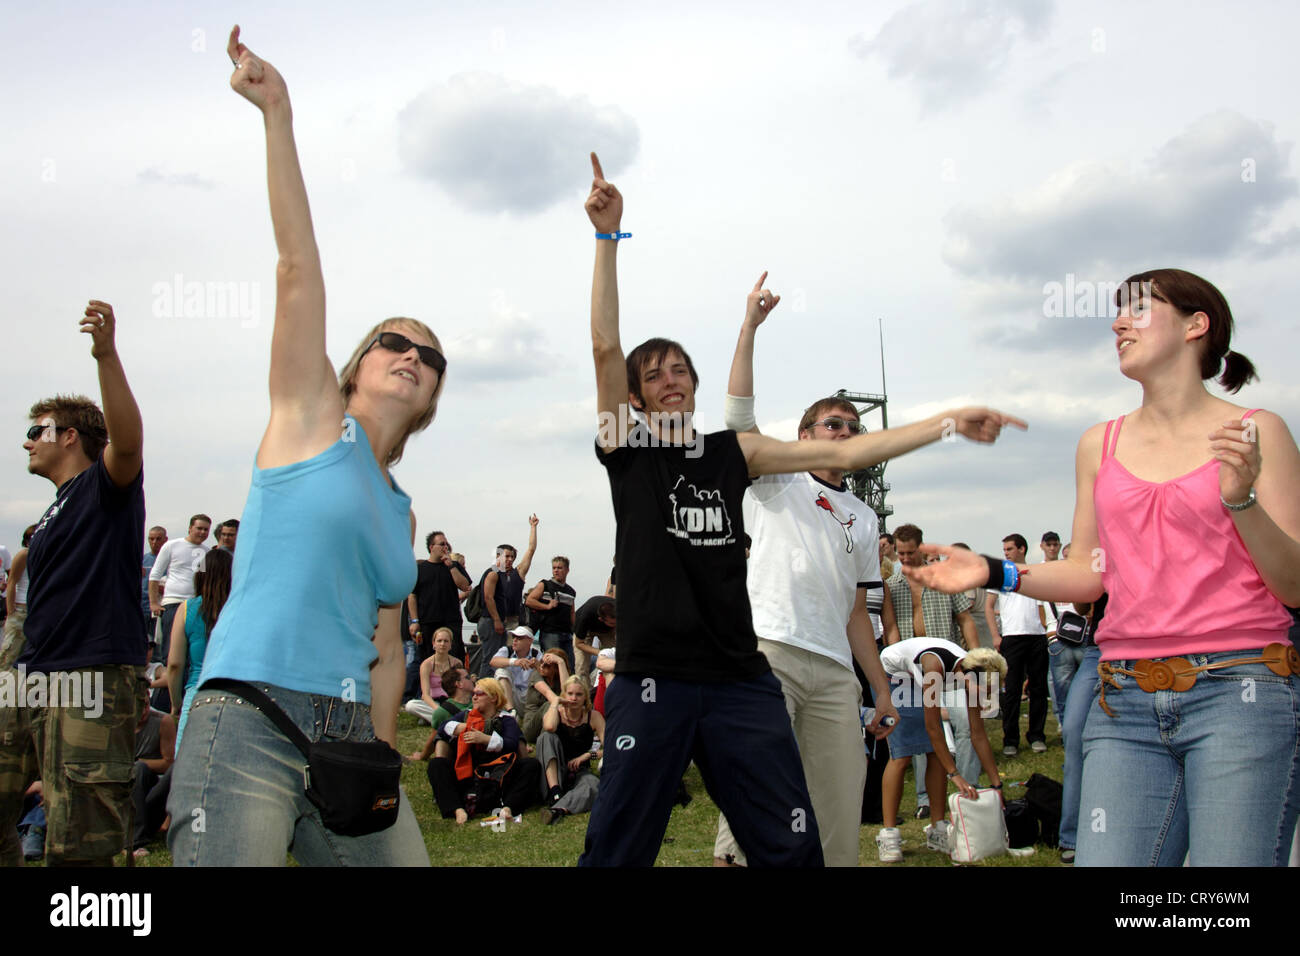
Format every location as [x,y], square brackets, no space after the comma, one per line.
[1237,371]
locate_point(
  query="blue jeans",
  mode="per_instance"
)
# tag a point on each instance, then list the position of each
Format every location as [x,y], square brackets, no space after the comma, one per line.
[1209,773]
[237,790]
[1063,661]
[1078,698]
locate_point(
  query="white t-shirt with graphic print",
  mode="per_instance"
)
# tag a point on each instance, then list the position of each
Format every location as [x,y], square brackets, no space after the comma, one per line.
[813,544]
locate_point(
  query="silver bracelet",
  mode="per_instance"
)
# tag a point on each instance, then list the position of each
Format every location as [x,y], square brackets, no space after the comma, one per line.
[1240,506]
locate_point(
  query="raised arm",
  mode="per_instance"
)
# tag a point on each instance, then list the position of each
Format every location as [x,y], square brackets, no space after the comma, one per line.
[306,408]
[605,210]
[738,409]
[767,456]
[1270,530]
[124,452]
[523,566]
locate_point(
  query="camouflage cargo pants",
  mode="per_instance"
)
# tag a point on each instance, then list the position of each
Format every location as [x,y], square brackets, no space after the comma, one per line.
[83,756]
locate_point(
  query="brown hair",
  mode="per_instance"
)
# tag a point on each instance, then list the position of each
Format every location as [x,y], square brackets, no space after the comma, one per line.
[348,377]
[654,352]
[908,532]
[215,587]
[1189,294]
[80,413]
[817,409]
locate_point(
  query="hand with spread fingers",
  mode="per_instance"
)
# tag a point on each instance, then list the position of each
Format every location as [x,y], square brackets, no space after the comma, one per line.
[605,203]
[1236,447]
[759,303]
[254,79]
[961,571]
[100,324]
[983,424]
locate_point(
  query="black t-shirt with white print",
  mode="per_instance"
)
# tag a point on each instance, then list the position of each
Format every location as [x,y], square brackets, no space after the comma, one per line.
[83,565]
[683,611]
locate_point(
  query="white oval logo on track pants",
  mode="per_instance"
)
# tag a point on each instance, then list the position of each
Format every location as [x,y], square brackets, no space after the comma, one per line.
[625,742]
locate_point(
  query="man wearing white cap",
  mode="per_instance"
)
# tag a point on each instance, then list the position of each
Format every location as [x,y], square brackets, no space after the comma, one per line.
[517,670]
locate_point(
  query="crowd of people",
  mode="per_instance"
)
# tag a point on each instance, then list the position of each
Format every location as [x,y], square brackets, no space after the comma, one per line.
[749,654]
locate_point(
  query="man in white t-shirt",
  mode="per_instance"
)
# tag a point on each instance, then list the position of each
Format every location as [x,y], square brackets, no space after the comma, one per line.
[1021,638]
[171,583]
[815,554]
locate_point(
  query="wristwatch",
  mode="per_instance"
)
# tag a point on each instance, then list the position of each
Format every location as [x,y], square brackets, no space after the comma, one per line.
[1242,505]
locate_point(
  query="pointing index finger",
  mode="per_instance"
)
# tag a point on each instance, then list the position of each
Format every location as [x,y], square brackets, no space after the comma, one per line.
[595,167]
[758,286]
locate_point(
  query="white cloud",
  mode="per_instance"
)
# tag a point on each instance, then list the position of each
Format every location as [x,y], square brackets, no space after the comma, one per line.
[953,51]
[507,348]
[499,146]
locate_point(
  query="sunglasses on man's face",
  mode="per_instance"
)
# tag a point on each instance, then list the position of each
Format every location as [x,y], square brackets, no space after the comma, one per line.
[36,431]
[835,424]
[396,342]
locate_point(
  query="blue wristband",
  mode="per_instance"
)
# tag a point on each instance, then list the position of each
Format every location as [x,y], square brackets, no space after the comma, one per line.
[1010,576]
[614,235]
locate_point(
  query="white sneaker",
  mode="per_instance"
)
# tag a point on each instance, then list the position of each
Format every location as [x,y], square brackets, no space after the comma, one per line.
[889,845]
[936,836]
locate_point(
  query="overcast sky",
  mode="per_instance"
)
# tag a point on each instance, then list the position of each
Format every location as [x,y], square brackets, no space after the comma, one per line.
[932,166]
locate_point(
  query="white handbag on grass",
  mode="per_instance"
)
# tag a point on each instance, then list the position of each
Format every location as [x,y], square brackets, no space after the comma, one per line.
[979,829]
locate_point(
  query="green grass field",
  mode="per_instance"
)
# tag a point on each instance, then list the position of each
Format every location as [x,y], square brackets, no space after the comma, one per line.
[689,841]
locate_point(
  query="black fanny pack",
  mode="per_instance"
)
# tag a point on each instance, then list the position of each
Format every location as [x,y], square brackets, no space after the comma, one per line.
[353,785]
[1072,628]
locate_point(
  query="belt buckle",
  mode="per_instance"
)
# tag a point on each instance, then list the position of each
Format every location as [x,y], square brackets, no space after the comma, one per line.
[1174,673]
[1281,658]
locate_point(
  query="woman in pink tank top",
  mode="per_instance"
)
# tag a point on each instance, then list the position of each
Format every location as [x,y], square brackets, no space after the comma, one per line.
[1187,514]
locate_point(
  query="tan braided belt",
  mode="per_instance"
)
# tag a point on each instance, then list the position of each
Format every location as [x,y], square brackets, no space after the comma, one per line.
[1177,673]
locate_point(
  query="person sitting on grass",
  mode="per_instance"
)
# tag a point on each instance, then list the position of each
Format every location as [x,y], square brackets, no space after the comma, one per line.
[516,668]
[457,680]
[476,762]
[565,753]
[919,667]
[432,693]
[553,674]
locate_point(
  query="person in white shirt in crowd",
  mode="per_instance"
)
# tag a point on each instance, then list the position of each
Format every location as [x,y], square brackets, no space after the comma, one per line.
[517,669]
[171,584]
[810,611]
[923,668]
[1022,640]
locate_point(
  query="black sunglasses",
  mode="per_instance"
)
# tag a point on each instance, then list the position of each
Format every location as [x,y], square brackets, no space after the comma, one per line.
[36,431]
[396,342]
[835,423]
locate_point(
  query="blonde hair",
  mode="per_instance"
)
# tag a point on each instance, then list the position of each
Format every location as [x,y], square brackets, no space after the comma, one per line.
[492,687]
[577,681]
[450,635]
[348,377]
[984,659]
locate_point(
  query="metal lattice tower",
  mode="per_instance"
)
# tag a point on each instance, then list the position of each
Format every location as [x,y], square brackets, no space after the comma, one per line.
[869,484]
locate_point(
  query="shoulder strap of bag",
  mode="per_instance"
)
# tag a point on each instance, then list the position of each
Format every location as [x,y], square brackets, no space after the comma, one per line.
[267,707]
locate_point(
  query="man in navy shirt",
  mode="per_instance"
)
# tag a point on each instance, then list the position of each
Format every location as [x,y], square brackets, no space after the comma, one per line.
[83,650]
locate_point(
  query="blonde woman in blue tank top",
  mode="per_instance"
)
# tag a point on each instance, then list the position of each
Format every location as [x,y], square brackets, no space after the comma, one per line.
[325,557]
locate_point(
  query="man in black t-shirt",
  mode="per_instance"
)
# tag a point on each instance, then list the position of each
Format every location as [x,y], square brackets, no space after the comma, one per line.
[434,603]
[83,619]
[553,600]
[693,684]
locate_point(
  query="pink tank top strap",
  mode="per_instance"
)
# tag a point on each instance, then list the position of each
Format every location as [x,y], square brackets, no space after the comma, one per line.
[1112,437]
[1249,413]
